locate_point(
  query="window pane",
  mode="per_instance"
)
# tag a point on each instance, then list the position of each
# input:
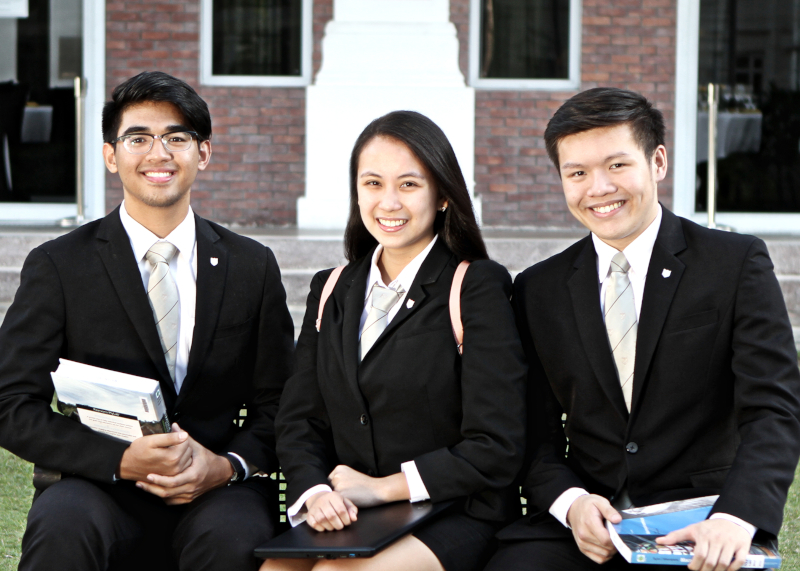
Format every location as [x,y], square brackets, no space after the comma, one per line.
[752,49]
[257,37]
[525,39]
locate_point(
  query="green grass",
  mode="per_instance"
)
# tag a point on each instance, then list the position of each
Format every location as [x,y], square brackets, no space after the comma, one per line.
[16,493]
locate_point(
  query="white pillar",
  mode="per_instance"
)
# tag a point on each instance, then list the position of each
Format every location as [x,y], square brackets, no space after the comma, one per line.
[380,56]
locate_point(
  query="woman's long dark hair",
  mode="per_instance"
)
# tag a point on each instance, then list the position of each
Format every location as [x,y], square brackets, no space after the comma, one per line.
[457,225]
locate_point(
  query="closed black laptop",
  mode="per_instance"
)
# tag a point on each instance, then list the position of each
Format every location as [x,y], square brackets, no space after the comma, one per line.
[374,529]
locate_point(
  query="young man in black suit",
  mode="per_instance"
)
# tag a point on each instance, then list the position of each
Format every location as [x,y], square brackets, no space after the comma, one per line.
[216,336]
[668,347]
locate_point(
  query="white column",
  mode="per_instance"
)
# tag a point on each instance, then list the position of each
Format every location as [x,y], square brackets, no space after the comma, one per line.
[380,56]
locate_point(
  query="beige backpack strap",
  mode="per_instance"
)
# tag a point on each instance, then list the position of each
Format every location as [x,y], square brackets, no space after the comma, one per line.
[455,305]
[327,290]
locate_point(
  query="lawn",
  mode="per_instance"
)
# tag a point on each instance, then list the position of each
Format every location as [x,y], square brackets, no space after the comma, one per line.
[16,493]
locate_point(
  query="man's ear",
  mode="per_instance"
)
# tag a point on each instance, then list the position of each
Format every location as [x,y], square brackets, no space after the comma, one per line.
[660,163]
[205,155]
[109,157]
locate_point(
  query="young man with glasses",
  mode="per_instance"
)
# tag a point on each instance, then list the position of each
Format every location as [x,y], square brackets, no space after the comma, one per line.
[155,291]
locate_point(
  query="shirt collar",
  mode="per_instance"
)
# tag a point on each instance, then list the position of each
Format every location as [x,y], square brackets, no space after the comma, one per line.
[637,253]
[142,239]
[406,277]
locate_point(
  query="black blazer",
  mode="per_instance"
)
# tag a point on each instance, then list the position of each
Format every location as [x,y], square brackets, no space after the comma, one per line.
[715,389]
[81,297]
[412,397]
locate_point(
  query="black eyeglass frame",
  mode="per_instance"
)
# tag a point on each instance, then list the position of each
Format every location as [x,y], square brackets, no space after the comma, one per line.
[153,142]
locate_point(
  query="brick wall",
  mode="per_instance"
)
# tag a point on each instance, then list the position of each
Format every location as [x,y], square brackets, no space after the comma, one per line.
[257,170]
[625,43]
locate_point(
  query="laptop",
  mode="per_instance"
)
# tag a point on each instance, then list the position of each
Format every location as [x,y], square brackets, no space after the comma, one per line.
[374,529]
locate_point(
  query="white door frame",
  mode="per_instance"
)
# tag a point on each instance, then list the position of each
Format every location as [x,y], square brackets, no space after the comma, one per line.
[94,69]
[684,178]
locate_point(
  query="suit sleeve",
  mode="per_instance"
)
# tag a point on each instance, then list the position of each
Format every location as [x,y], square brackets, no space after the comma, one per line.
[545,474]
[492,394]
[32,340]
[305,443]
[766,391]
[273,365]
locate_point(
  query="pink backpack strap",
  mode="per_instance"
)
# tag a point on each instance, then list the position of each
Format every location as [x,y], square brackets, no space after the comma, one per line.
[327,290]
[455,305]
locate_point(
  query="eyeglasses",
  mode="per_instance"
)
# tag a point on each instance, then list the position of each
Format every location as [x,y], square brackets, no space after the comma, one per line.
[141,143]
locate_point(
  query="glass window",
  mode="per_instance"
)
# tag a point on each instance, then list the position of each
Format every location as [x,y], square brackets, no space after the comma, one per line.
[526,39]
[255,42]
[257,37]
[752,50]
[518,44]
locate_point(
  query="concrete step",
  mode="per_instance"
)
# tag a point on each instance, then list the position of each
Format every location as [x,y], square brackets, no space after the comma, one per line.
[301,254]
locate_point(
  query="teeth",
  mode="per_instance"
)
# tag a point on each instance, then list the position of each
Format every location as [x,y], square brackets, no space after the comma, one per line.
[158,174]
[391,223]
[607,209]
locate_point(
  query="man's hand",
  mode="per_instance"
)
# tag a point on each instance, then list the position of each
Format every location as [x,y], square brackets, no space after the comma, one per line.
[328,511]
[206,472]
[366,491]
[167,454]
[586,517]
[719,544]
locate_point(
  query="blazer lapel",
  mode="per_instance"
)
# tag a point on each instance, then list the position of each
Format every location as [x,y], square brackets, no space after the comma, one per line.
[114,248]
[584,288]
[353,307]
[658,294]
[428,273]
[210,290]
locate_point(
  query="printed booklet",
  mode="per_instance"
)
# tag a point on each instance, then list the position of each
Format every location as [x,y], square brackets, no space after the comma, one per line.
[635,536]
[117,404]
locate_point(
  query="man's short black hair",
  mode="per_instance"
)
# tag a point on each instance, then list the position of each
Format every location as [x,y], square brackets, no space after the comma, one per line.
[606,107]
[156,86]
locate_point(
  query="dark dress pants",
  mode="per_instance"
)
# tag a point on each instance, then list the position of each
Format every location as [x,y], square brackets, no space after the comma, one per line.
[88,526]
[556,555]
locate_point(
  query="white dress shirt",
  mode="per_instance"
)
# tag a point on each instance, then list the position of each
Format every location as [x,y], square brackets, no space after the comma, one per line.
[183,268]
[405,278]
[638,254]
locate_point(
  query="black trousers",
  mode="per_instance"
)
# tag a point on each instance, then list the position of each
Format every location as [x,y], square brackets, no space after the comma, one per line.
[555,555]
[88,526]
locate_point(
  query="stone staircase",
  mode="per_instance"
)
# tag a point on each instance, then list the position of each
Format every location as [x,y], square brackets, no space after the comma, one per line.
[302,253]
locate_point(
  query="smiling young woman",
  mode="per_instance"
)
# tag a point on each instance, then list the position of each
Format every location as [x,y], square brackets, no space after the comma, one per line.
[385,409]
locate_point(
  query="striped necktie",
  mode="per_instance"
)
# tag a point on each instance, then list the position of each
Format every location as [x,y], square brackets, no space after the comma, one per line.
[621,324]
[163,295]
[383,299]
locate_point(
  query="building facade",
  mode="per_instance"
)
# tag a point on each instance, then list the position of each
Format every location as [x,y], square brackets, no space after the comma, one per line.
[490,72]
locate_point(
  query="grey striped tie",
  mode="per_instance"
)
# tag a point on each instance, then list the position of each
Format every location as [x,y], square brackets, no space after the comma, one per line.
[383,299]
[163,295]
[621,324]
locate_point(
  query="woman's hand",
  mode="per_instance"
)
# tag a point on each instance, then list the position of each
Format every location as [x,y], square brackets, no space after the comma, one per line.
[328,511]
[366,491]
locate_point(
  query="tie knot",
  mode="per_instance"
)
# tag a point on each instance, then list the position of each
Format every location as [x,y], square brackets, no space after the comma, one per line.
[619,263]
[160,252]
[384,298]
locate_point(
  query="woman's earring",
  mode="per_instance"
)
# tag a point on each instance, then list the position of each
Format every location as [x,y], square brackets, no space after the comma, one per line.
[443,208]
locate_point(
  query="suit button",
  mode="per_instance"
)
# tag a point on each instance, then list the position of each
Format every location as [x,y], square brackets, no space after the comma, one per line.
[364,419]
[176,416]
[632,447]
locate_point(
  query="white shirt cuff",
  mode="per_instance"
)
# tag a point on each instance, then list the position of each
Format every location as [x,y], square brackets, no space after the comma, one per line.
[297,511]
[749,528]
[249,469]
[561,506]
[416,488]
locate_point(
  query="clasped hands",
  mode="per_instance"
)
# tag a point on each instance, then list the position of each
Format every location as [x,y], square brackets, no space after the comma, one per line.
[719,544]
[174,466]
[328,511]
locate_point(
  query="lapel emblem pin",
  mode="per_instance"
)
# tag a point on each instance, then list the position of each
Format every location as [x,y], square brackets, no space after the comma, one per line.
[214,261]
[666,273]
[410,303]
